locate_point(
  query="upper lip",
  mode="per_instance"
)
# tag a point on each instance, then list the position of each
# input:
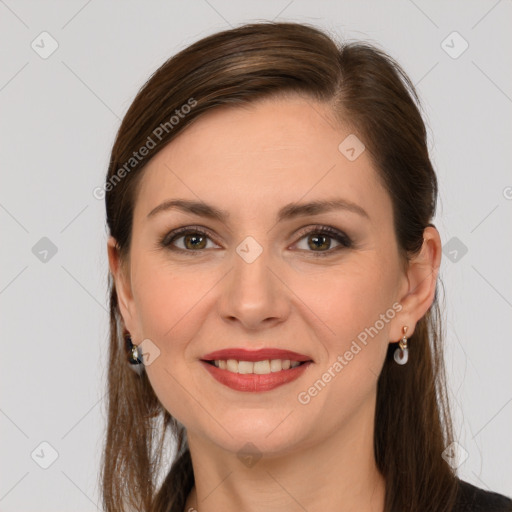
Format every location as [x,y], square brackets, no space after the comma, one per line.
[241,354]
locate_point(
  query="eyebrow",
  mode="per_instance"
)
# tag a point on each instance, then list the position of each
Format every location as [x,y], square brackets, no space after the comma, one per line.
[288,212]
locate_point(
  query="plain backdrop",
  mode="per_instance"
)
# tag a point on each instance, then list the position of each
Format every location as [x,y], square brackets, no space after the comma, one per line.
[59,116]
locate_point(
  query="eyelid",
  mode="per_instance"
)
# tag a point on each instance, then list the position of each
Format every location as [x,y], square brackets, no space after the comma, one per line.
[319,228]
[339,236]
[344,241]
[182,231]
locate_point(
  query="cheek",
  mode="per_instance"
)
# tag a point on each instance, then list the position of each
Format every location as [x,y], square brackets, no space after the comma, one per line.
[172,304]
[167,299]
[349,298]
[355,307]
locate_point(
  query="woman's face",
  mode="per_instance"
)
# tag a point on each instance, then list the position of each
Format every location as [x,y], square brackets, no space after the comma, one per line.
[263,277]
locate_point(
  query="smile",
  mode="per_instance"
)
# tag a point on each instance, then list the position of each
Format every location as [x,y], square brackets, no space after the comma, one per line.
[258,367]
[255,370]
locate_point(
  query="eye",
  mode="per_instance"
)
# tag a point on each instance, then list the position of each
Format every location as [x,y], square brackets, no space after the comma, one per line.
[194,239]
[320,237]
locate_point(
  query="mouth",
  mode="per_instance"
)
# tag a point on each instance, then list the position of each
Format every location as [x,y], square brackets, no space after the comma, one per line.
[263,367]
[259,370]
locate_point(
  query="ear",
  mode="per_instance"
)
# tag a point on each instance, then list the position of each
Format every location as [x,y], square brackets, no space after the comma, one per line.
[420,284]
[120,274]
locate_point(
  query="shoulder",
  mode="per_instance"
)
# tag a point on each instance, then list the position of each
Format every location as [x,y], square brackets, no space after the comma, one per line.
[474,499]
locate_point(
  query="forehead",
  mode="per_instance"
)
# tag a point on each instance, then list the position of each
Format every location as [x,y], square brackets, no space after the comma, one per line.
[261,156]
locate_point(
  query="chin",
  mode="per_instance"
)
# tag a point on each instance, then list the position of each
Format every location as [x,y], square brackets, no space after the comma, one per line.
[265,435]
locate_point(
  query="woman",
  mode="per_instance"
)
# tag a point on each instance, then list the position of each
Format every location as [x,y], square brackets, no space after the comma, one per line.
[274,269]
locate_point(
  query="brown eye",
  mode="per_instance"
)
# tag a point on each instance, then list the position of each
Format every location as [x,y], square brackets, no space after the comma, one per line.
[187,240]
[319,240]
[194,241]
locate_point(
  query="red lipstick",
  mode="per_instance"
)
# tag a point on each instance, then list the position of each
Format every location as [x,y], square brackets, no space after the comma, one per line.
[241,354]
[255,382]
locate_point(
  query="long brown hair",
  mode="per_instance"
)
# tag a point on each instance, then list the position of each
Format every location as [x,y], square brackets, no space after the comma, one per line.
[369,92]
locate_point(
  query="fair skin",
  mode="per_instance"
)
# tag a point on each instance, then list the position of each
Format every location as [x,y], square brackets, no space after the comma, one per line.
[251,162]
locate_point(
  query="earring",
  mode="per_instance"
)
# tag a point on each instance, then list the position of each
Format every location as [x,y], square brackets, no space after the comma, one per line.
[134,355]
[401,354]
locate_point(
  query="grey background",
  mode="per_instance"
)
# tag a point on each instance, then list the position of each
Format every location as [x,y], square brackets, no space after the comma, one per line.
[59,116]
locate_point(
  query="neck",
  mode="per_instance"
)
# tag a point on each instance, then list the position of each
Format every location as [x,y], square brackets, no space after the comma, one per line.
[338,473]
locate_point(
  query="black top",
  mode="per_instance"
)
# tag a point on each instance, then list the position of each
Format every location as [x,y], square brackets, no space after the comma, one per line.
[474,499]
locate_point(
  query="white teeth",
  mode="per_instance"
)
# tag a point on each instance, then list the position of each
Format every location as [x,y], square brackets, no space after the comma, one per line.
[257,367]
[276,365]
[232,365]
[245,367]
[262,367]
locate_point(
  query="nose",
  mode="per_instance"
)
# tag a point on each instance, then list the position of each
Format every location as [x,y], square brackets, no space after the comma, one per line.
[253,293]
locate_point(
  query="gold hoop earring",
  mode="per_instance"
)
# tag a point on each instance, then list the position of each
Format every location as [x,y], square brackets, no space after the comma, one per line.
[401,354]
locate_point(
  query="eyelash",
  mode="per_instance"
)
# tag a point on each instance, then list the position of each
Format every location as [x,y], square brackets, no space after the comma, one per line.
[344,241]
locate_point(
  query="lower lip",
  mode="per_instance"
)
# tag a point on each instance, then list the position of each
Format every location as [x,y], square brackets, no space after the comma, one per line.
[253,382]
